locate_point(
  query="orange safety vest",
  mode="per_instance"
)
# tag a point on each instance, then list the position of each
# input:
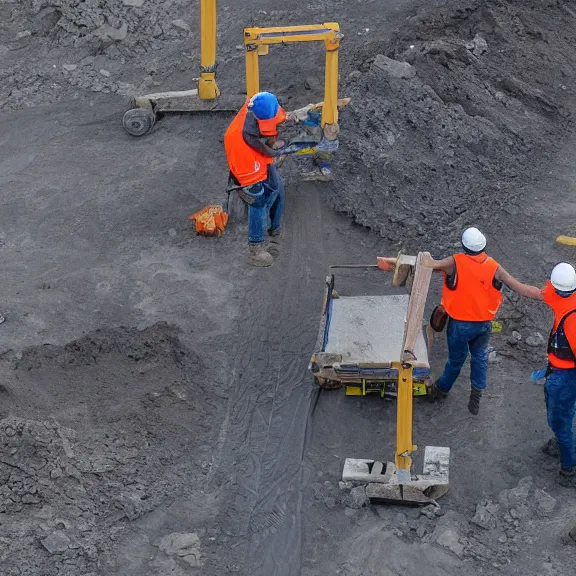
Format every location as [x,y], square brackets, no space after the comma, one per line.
[561,308]
[474,297]
[270,127]
[248,165]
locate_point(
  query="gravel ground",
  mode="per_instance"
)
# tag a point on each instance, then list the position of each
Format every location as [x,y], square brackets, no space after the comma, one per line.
[156,413]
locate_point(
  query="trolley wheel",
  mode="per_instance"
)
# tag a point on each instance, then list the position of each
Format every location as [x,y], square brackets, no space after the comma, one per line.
[328,384]
[138,121]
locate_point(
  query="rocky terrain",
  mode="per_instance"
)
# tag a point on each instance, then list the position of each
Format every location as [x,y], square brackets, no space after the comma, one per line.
[156,412]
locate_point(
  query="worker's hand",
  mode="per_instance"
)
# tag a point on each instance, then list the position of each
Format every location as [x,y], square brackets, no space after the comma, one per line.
[385,263]
[278,144]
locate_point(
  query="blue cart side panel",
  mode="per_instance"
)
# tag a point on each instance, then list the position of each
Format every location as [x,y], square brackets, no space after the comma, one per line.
[327,324]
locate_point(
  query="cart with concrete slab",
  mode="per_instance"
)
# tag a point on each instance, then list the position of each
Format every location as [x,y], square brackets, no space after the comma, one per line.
[376,344]
[360,338]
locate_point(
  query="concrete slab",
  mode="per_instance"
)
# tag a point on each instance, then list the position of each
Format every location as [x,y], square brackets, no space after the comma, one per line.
[385,482]
[370,330]
[367,329]
[360,470]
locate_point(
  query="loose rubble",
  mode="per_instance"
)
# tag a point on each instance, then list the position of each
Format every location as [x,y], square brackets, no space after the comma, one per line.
[97,35]
[433,117]
[67,494]
[495,532]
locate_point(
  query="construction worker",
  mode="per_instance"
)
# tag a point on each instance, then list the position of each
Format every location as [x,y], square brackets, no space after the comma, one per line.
[471,296]
[251,143]
[560,388]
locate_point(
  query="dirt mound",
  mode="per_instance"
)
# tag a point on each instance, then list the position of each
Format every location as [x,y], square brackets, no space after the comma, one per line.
[54,49]
[119,409]
[159,343]
[450,116]
[139,24]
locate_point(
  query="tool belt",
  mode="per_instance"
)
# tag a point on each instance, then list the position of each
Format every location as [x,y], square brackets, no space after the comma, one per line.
[438,318]
[250,194]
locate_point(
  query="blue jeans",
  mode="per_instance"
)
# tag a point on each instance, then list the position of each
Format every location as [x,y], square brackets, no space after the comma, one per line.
[560,394]
[463,337]
[266,211]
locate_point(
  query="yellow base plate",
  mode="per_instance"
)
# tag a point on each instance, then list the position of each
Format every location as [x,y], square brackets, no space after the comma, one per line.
[419,389]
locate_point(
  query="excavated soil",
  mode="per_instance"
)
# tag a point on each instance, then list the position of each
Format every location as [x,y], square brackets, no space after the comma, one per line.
[156,412]
[483,102]
[111,431]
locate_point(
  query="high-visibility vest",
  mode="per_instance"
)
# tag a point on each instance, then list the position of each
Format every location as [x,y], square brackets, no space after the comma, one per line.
[248,165]
[560,353]
[473,298]
[270,127]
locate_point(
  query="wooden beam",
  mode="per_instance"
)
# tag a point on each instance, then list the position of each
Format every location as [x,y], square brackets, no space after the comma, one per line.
[416,305]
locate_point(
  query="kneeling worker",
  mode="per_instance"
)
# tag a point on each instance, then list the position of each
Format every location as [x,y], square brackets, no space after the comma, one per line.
[471,297]
[251,143]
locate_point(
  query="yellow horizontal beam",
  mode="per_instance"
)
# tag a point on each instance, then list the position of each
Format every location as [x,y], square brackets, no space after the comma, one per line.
[329,32]
[566,240]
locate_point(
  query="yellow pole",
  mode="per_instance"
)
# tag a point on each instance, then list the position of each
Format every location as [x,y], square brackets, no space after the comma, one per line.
[330,108]
[207,87]
[404,446]
[252,71]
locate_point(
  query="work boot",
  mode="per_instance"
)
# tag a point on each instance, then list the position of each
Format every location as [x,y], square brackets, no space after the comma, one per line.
[273,244]
[273,247]
[567,476]
[474,402]
[551,448]
[436,393]
[258,256]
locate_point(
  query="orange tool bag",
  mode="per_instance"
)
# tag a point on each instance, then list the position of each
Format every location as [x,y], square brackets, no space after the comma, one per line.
[210,221]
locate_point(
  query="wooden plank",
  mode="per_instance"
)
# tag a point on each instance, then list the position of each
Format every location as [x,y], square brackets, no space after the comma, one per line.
[404,265]
[416,305]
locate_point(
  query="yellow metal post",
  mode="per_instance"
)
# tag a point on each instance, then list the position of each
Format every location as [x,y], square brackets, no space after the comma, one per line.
[330,108]
[252,71]
[404,446]
[207,87]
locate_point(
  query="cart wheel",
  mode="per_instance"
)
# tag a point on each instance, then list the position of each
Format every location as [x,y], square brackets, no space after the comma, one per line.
[327,384]
[236,207]
[138,121]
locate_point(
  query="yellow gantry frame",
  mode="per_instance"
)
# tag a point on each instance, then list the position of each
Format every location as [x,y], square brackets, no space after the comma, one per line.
[404,446]
[207,87]
[257,40]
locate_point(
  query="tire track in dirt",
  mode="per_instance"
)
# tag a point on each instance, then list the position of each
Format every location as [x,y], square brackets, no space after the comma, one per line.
[277,551]
[264,435]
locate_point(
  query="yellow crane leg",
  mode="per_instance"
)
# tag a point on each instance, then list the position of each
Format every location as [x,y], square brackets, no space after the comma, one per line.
[404,446]
[207,87]
[252,72]
[330,108]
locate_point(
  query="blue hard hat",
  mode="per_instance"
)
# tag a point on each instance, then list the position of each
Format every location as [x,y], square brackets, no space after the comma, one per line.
[264,105]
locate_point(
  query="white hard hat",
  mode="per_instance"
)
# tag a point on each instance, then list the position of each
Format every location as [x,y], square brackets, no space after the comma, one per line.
[473,239]
[563,277]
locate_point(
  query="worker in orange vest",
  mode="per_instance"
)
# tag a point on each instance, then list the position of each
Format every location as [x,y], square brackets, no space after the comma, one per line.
[251,144]
[471,297]
[560,388]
